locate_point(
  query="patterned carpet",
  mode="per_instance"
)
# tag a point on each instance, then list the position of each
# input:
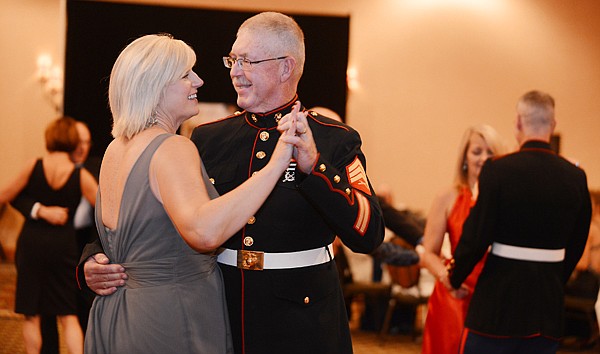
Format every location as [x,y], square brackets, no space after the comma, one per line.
[11,341]
[7,290]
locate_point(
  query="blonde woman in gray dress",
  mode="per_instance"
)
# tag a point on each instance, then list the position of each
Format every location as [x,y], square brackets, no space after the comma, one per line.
[154,213]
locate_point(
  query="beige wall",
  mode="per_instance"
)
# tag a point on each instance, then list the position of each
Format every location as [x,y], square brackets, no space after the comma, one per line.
[426,70]
[29,28]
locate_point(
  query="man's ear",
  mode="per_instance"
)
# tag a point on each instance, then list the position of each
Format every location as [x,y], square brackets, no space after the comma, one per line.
[287,68]
[519,123]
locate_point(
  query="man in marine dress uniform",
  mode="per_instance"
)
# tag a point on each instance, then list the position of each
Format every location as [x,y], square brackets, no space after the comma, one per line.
[534,211]
[282,286]
[290,300]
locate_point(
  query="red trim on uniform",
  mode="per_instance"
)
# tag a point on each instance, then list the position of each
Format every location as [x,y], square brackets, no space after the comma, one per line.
[252,156]
[289,104]
[506,337]
[250,122]
[539,150]
[535,149]
[342,193]
[312,169]
[327,124]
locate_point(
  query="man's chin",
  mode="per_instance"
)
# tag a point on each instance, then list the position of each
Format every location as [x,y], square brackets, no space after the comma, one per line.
[242,102]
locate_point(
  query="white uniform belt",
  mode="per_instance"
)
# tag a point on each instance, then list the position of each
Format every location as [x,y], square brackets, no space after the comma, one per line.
[255,260]
[528,254]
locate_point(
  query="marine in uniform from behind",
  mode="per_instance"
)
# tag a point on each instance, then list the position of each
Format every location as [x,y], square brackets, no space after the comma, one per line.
[534,211]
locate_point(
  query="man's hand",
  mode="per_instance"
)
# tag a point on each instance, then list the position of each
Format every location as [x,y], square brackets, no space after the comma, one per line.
[456,293]
[101,277]
[305,151]
[53,215]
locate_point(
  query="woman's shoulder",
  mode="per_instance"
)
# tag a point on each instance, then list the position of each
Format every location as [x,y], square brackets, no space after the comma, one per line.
[176,150]
[447,195]
[30,163]
[176,143]
[28,167]
[445,198]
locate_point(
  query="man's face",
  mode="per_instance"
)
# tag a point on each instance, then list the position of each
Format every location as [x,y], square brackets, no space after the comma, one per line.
[85,143]
[258,89]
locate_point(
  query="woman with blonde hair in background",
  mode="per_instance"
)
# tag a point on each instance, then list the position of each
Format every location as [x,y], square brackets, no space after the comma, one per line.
[446,312]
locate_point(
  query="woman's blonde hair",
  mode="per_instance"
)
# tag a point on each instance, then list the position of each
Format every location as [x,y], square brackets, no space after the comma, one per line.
[491,138]
[138,79]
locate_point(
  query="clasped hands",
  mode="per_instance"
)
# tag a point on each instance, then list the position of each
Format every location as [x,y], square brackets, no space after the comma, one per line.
[296,131]
[456,293]
[53,215]
[103,278]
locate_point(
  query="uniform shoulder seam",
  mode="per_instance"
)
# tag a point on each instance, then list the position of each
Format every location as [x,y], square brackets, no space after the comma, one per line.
[220,120]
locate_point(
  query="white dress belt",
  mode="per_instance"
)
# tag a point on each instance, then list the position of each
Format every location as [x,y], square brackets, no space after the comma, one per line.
[280,260]
[528,254]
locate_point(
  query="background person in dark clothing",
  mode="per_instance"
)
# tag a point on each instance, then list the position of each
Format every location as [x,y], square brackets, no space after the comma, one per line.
[85,229]
[534,211]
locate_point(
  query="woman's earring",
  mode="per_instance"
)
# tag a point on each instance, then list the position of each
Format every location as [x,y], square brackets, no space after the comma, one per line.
[152,121]
[464,166]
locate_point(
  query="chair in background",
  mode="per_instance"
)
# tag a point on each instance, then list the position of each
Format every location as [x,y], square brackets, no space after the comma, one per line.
[581,309]
[581,293]
[371,293]
[406,292]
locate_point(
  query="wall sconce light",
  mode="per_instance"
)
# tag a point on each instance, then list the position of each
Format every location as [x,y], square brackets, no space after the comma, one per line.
[51,78]
[352,78]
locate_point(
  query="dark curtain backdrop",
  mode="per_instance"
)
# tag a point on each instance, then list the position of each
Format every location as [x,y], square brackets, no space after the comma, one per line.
[98,31]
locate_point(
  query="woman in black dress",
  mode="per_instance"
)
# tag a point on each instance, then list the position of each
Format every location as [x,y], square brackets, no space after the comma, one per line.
[47,254]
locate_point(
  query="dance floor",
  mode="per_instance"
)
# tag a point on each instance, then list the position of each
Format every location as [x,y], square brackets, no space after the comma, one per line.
[11,340]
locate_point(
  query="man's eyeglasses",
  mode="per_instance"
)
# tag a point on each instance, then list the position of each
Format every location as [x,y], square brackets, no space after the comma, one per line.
[244,63]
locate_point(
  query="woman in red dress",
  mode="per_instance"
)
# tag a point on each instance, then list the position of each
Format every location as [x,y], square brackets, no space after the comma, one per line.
[446,312]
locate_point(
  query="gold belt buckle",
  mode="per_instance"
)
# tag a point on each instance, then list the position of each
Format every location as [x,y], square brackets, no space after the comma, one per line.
[250,260]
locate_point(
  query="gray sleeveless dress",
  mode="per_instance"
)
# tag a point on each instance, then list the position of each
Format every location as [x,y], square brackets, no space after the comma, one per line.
[173,301]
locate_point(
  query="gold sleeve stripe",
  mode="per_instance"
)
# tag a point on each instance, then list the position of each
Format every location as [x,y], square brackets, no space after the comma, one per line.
[364,213]
[357,176]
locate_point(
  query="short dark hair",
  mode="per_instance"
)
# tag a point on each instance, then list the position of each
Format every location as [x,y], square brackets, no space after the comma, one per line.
[61,135]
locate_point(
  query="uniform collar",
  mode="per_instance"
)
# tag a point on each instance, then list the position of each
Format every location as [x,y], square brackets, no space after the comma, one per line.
[536,144]
[269,119]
